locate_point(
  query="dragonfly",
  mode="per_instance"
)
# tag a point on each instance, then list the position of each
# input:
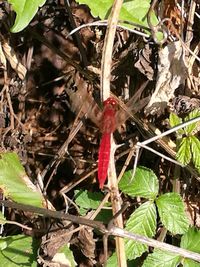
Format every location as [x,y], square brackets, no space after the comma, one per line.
[110,120]
[108,127]
[114,114]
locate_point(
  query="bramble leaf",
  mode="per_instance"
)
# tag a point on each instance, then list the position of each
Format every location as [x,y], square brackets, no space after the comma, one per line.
[14,182]
[174,120]
[184,153]
[191,240]
[192,127]
[18,250]
[160,258]
[195,148]
[190,263]
[142,221]
[87,200]
[172,214]
[143,184]
[2,218]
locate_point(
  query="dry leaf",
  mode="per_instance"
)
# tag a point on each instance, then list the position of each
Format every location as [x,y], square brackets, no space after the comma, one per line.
[144,63]
[171,74]
[56,238]
[183,105]
[87,242]
[61,260]
[14,62]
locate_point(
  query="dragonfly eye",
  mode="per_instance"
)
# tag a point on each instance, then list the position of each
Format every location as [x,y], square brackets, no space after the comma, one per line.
[110,101]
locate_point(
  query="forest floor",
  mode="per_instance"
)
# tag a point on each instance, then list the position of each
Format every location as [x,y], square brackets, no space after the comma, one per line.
[52,118]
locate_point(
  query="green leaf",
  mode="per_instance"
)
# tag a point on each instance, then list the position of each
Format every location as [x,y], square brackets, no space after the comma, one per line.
[195,148]
[134,11]
[160,258]
[184,154]
[143,184]
[65,256]
[112,261]
[174,120]
[14,182]
[142,221]
[105,215]
[192,127]
[20,250]
[191,240]
[172,214]
[2,218]
[87,200]
[25,11]
[190,263]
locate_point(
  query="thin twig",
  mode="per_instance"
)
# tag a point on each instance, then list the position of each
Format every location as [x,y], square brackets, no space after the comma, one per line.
[101,23]
[159,136]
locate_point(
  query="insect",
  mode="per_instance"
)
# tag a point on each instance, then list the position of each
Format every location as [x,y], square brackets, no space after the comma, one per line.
[108,126]
[115,112]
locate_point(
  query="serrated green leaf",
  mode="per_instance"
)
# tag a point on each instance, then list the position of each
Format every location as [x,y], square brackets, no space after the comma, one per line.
[190,263]
[160,258]
[20,251]
[134,11]
[172,214]
[88,200]
[143,184]
[192,127]
[2,218]
[65,256]
[25,11]
[105,215]
[112,261]
[142,221]
[195,148]
[174,120]
[191,240]
[184,153]
[14,182]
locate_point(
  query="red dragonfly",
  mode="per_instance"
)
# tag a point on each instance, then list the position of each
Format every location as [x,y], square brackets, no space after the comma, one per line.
[114,114]
[108,127]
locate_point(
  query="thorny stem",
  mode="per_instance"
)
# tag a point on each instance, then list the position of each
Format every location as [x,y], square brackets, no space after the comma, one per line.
[111,230]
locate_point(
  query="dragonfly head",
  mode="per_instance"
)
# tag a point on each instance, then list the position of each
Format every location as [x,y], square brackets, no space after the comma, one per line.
[110,102]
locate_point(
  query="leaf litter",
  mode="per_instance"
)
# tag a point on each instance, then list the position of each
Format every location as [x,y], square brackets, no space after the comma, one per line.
[56,97]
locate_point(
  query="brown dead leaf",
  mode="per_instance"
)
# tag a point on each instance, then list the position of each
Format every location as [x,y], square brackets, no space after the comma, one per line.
[182,105]
[87,242]
[144,63]
[171,74]
[52,242]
